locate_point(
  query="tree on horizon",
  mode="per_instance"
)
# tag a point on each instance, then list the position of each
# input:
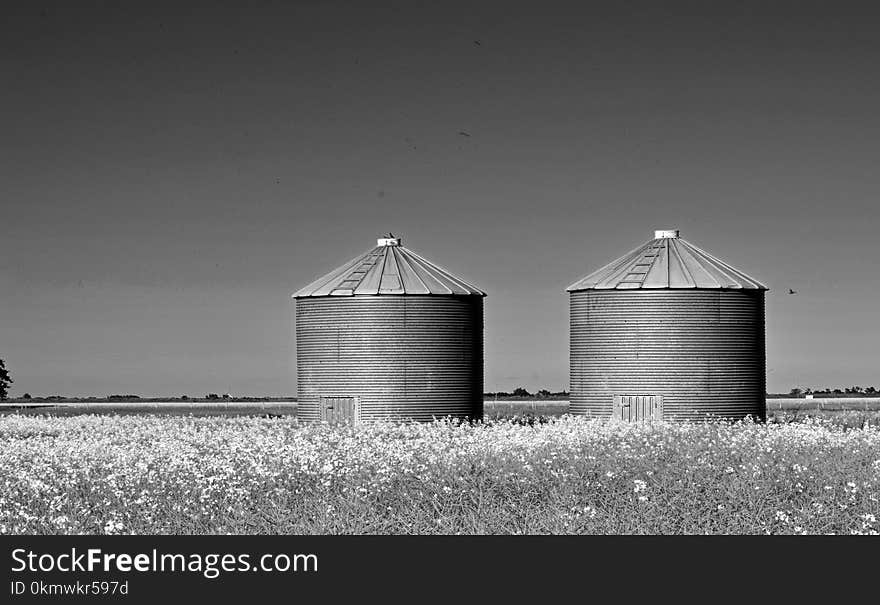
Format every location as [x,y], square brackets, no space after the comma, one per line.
[5,380]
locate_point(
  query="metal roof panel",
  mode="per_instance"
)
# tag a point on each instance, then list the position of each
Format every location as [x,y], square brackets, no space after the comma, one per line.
[388,269]
[370,283]
[666,261]
[390,283]
[412,282]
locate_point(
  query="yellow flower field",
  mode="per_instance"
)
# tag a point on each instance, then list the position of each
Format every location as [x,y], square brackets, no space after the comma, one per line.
[195,475]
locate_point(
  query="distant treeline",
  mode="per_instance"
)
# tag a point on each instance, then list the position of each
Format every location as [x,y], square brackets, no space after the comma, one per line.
[137,398]
[829,392]
[517,393]
[521,393]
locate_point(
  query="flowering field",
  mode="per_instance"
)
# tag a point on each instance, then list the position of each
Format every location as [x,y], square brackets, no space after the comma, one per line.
[148,474]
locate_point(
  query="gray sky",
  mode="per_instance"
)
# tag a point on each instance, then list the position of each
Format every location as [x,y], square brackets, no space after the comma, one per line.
[171,174]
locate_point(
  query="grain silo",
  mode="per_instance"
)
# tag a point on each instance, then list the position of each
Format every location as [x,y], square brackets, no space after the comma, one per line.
[669,332]
[389,335]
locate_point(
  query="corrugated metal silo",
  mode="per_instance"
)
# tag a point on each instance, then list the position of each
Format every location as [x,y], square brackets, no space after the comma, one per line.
[389,335]
[667,331]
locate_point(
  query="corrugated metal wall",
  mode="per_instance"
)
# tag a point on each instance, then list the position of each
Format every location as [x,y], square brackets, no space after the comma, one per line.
[403,356]
[702,350]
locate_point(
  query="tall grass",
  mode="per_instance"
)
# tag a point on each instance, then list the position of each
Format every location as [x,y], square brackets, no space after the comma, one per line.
[142,474]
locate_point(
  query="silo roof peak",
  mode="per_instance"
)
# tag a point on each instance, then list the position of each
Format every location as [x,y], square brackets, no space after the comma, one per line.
[389,269]
[667,261]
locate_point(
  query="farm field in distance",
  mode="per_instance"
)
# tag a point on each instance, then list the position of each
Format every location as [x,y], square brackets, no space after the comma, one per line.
[136,474]
[493,408]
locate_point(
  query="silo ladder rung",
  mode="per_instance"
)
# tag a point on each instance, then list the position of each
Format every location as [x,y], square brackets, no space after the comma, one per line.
[640,270]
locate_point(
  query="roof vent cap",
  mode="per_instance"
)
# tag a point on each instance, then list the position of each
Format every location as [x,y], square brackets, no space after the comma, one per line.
[666,234]
[388,241]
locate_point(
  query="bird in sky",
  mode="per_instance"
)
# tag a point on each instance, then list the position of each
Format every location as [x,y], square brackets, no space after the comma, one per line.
[477,43]
[790,291]
[463,133]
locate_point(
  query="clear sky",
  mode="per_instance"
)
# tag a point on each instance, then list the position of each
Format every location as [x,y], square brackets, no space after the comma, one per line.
[169,174]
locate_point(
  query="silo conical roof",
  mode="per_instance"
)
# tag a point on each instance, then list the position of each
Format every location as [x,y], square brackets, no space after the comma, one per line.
[389,269]
[666,261]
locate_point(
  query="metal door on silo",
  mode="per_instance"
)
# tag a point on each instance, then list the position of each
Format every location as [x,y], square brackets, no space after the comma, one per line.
[339,410]
[637,408]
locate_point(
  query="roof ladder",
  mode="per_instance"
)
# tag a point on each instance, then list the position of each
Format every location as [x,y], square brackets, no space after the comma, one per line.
[353,279]
[636,277]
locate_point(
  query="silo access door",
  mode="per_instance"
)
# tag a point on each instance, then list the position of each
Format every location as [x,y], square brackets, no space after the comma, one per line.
[638,408]
[339,410]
